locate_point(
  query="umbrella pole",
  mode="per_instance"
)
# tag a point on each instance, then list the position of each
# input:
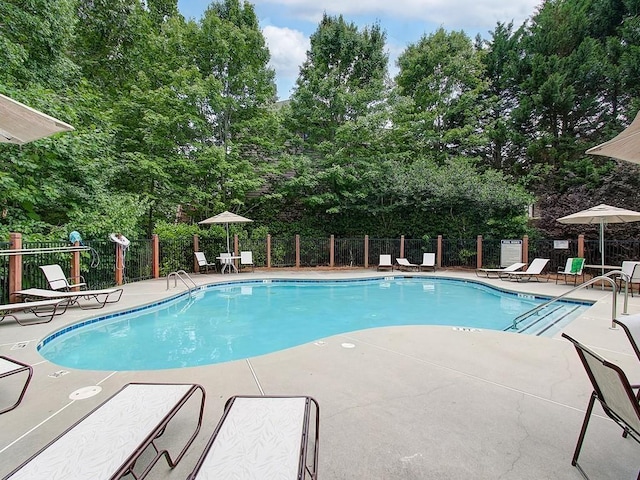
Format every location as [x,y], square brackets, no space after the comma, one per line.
[602,245]
[228,250]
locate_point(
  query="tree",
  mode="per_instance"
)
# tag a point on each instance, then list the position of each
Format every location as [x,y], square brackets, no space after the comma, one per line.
[443,75]
[34,40]
[342,79]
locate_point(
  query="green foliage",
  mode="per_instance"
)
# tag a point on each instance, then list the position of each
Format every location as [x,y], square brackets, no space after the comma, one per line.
[175,122]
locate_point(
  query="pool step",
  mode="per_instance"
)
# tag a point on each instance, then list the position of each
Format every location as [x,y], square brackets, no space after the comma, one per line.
[548,321]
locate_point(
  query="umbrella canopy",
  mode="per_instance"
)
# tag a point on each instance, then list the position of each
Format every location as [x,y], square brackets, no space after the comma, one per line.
[225,217]
[601,215]
[625,146]
[21,124]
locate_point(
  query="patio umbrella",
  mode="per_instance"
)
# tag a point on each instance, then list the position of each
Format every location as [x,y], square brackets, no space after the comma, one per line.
[21,124]
[624,146]
[225,217]
[601,215]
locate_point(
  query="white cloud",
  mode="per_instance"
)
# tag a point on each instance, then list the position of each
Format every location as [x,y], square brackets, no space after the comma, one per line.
[451,14]
[288,50]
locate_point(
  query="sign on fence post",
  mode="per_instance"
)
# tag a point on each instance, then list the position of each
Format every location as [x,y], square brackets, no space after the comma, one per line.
[510,252]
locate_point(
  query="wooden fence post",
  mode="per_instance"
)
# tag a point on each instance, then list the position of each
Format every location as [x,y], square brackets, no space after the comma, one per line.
[268,250]
[196,248]
[366,251]
[15,267]
[332,251]
[439,252]
[119,264]
[581,245]
[155,255]
[479,250]
[401,247]
[525,249]
[75,266]
[297,251]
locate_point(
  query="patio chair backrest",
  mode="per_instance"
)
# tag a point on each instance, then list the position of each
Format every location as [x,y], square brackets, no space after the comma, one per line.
[537,265]
[567,266]
[56,278]
[631,326]
[429,258]
[385,259]
[201,258]
[246,258]
[225,257]
[611,387]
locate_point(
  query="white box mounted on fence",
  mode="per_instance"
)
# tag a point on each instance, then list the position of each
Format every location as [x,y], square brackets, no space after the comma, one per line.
[561,244]
[510,252]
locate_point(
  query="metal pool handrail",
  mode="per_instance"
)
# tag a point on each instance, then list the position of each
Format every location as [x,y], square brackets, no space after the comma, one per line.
[180,274]
[606,277]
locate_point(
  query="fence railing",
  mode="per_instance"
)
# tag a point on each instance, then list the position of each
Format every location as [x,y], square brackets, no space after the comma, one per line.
[99,265]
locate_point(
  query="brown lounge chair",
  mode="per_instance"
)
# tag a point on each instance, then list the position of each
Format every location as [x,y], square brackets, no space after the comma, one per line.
[614,392]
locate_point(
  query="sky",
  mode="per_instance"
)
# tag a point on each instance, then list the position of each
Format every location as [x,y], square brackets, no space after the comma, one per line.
[288,24]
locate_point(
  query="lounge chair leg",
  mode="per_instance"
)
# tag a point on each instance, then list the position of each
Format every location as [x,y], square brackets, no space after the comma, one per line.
[583,431]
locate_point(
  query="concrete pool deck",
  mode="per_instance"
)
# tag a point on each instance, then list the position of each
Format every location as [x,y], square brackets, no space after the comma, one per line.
[425,402]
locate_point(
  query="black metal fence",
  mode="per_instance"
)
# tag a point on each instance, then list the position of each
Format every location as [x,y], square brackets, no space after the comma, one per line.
[98,265]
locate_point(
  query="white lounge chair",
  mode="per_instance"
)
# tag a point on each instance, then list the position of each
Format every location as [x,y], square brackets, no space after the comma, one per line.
[497,272]
[262,438]
[573,268]
[533,272]
[44,309]
[112,440]
[104,296]
[203,263]
[385,262]
[246,260]
[630,274]
[428,261]
[9,367]
[404,264]
[57,280]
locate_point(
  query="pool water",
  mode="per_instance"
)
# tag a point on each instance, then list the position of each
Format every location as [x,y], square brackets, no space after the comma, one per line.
[236,321]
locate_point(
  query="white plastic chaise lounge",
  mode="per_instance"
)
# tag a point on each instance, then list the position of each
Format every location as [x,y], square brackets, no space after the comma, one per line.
[246,260]
[497,272]
[203,263]
[9,367]
[263,438]
[573,268]
[57,280]
[46,309]
[104,296]
[630,275]
[428,261]
[534,271]
[404,264]
[385,262]
[117,438]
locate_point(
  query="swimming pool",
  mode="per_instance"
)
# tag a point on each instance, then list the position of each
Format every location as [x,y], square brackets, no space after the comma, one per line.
[240,320]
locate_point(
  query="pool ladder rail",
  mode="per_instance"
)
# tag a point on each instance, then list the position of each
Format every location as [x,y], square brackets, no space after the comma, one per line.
[183,277]
[606,277]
